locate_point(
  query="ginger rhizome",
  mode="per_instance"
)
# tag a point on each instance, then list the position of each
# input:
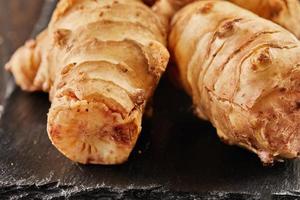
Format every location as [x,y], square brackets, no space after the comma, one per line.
[243,74]
[100,60]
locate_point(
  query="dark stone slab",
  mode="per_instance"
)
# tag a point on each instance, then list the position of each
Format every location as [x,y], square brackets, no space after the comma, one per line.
[177,157]
[17,19]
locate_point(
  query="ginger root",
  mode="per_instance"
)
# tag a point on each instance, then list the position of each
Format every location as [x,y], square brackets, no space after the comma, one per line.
[283,12]
[101,61]
[243,74]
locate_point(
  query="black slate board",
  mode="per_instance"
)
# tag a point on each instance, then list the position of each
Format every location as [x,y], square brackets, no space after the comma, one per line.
[177,156]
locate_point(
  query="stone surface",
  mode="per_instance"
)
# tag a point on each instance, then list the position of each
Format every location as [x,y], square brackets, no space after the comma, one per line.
[177,157]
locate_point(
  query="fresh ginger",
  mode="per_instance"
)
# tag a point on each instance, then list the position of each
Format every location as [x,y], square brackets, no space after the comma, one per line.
[101,61]
[283,12]
[243,74]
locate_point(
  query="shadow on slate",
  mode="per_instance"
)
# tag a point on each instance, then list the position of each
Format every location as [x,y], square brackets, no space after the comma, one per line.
[177,157]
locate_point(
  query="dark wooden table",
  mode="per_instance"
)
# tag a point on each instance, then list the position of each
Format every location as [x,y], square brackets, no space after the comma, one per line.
[182,157]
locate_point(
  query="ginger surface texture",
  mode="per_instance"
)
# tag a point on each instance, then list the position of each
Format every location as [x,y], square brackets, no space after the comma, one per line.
[283,12]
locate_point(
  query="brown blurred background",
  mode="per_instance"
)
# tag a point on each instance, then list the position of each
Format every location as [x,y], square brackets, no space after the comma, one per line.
[17,19]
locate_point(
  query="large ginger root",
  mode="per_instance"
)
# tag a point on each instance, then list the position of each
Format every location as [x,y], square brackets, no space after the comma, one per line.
[101,61]
[283,12]
[243,73]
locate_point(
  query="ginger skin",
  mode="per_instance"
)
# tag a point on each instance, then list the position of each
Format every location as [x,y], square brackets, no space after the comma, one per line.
[283,12]
[101,62]
[243,74]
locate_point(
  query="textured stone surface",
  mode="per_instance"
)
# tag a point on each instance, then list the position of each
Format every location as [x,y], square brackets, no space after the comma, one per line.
[177,157]
[17,19]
